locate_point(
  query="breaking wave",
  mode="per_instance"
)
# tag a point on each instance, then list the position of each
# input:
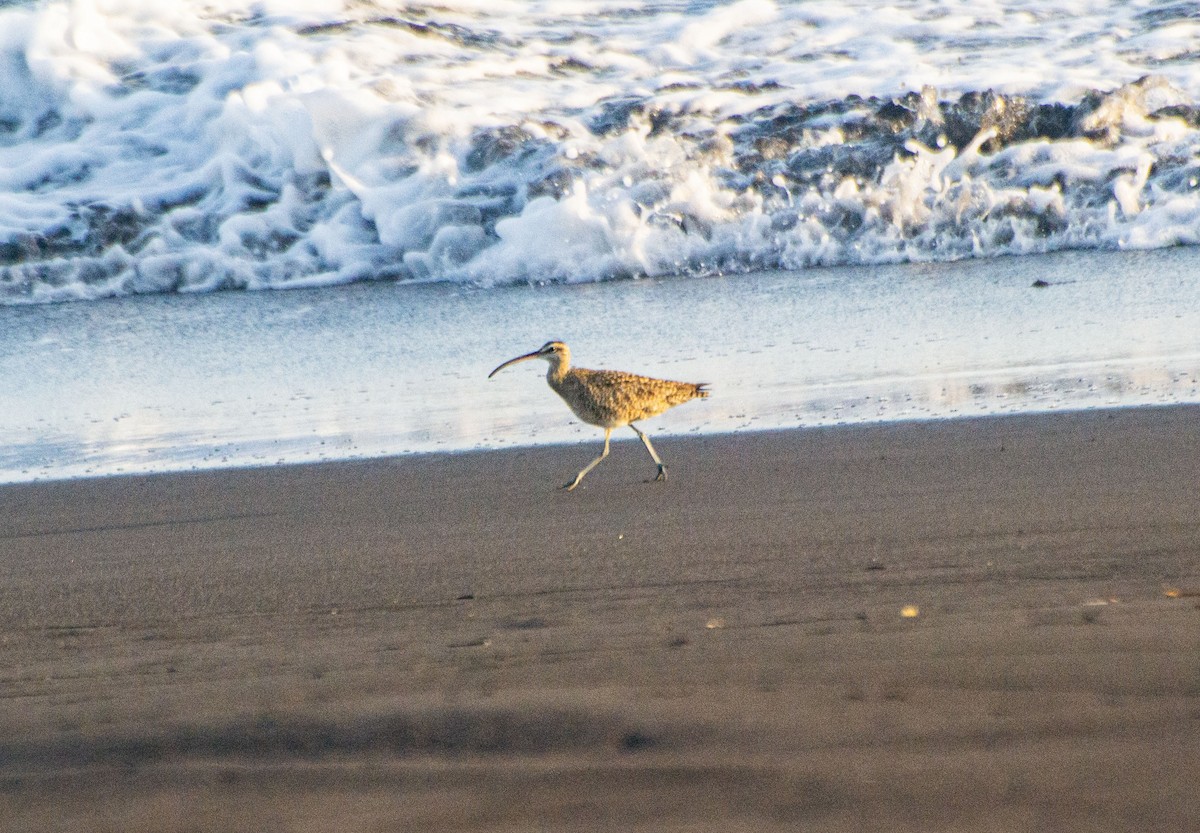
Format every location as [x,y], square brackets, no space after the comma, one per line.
[198,146]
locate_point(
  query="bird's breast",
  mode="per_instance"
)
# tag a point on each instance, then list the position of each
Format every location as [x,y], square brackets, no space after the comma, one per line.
[589,399]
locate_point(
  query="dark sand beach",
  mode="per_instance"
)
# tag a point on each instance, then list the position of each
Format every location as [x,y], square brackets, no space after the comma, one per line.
[453,643]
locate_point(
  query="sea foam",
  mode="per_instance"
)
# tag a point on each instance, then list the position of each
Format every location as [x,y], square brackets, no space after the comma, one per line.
[196,146]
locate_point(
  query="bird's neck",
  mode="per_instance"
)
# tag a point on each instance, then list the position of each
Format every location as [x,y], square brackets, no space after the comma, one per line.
[557,371]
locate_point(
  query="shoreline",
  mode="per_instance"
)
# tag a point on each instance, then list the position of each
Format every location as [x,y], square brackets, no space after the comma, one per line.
[586,440]
[170,382]
[977,624]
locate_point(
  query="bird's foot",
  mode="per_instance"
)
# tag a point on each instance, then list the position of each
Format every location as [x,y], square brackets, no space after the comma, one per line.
[662,473]
[570,487]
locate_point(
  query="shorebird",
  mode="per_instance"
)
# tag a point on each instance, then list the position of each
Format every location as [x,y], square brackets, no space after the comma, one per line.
[609,398]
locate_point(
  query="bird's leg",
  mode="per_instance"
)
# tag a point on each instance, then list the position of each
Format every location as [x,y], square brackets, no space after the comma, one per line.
[662,467]
[591,465]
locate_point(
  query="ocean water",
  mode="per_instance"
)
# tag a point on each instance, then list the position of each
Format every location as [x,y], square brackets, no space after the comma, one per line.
[201,145]
[171,382]
[830,211]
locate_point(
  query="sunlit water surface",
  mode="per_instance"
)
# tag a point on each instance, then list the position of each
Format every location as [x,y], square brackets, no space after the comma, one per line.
[177,382]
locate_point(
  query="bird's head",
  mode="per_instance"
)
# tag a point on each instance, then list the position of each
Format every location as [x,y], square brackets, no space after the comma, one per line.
[555,352]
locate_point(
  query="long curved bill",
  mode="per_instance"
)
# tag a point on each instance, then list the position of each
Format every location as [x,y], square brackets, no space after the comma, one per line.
[526,357]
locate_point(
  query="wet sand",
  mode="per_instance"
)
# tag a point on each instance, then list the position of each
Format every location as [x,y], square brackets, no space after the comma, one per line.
[974,625]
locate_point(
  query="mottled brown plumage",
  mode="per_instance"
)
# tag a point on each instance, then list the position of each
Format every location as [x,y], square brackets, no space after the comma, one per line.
[609,398]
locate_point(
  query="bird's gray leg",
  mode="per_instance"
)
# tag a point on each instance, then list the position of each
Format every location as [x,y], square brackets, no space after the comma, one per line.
[591,465]
[662,467]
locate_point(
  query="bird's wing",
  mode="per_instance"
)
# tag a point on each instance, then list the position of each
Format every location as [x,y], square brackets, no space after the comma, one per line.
[637,397]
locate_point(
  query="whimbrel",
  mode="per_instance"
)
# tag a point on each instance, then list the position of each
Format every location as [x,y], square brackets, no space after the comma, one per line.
[609,398]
